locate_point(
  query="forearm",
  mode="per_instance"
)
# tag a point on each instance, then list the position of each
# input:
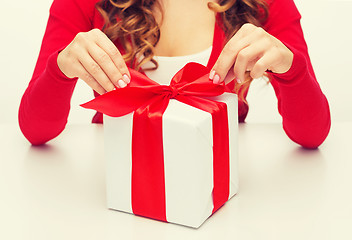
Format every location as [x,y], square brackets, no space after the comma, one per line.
[45,105]
[302,105]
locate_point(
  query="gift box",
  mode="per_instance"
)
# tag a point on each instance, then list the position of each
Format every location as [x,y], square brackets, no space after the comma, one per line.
[171,151]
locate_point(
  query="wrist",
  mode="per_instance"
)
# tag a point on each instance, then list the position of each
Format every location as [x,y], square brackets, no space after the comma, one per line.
[297,68]
[60,63]
[54,69]
[288,61]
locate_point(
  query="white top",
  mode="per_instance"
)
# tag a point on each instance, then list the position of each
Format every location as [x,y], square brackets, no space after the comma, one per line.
[169,66]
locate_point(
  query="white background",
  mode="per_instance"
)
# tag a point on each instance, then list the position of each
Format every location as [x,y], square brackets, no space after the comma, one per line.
[326,24]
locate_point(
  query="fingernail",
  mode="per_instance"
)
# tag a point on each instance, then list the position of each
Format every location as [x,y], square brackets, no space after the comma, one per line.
[238,80]
[121,83]
[126,78]
[211,75]
[216,79]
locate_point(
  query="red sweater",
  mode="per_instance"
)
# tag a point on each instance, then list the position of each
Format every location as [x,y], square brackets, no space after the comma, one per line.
[45,104]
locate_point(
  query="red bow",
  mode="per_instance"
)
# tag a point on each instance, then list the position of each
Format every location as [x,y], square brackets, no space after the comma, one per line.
[149,100]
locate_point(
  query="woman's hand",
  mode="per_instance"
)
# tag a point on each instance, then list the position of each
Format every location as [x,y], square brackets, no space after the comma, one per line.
[251,49]
[92,57]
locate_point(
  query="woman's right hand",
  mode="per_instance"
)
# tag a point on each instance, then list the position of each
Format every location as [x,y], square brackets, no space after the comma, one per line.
[92,57]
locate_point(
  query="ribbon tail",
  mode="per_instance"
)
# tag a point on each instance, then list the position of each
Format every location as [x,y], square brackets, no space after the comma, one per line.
[120,102]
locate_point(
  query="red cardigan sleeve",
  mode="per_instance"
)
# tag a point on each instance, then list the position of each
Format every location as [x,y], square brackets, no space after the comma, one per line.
[301,103]
[45,104]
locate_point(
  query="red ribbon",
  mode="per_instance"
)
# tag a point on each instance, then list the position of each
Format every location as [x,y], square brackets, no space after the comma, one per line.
[149,100]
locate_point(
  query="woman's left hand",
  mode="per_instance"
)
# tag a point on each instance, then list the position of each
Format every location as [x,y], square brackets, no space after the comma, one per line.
[251,49]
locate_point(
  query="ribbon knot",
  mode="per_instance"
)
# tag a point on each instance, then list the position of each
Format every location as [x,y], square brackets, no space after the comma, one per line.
[174,91]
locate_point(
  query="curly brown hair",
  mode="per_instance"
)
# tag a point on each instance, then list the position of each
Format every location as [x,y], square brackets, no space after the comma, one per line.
[133,25]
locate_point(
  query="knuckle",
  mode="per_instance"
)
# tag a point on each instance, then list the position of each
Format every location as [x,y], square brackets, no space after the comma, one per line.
[260,65]
[248,26]
[252,74]
[231,48]
[260,31]
[95,68]
[255,74]
[104,58]
[121,65]
[79,40]
[266,41]
[242,56]
[114,52]
[74,48]
[80,36]
[88,78]
[95,31]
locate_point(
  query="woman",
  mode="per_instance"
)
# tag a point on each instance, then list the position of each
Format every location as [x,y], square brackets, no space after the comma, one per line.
[97,41]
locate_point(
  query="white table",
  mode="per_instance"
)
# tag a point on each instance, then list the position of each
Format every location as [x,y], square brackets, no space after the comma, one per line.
[57,191]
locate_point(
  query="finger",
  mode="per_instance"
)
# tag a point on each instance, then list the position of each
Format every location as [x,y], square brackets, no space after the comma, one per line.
[107,65]
[246,57]
[87,78]
[242,39]
[250,65]
[263,64]
[109,47]
[96,71]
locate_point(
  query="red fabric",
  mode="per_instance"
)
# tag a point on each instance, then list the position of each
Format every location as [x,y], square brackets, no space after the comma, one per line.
[149,101]
[45,104]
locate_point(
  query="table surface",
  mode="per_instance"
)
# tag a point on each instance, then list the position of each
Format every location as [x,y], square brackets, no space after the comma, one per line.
[57,191]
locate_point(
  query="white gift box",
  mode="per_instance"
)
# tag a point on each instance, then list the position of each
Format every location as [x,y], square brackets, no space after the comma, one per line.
[188,160]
